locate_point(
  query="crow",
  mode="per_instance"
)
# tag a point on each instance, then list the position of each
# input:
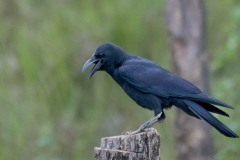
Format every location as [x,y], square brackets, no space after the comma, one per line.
[155,88]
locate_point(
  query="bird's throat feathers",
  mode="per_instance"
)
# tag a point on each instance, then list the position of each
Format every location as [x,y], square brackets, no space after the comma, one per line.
[116,61]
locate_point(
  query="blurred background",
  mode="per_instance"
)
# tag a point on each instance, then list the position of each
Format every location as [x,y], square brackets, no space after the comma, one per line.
[48,107]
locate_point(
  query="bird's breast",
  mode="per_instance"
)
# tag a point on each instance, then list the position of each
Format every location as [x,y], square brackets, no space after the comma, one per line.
[143,99]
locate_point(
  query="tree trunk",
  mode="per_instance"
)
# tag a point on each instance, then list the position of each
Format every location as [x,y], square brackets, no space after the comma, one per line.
[185,21]
[141,146]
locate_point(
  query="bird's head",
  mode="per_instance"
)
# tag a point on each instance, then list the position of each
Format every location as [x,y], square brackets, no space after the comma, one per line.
[106,57]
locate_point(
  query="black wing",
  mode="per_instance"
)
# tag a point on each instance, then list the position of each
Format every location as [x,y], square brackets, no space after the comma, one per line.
[149,77]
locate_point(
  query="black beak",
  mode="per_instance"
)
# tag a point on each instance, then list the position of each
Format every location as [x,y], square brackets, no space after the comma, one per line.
[95,68]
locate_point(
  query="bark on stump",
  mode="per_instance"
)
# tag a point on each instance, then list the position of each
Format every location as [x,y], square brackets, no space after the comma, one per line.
[141,146]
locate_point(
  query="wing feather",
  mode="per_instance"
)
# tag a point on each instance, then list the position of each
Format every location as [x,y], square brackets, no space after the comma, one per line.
[152,78]
[149,77]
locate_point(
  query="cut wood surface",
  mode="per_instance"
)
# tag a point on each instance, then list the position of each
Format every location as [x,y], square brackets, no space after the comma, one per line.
[141,146]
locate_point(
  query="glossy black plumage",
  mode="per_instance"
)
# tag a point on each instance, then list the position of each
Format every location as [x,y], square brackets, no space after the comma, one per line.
[155,88]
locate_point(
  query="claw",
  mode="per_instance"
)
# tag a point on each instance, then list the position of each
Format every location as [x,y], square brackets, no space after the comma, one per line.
[145,126]
[127,133]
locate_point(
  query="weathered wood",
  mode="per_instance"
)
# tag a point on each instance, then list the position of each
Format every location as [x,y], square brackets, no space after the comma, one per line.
[141,146]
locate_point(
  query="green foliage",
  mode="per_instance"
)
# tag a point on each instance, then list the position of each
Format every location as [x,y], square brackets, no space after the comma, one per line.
[50,110]
[224,48]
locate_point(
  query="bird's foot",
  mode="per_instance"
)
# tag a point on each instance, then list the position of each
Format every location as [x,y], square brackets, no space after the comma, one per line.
[136,132]
[128,133]
[145,126]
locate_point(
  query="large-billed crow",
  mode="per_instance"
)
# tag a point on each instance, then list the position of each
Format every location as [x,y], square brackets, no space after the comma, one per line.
[155,88]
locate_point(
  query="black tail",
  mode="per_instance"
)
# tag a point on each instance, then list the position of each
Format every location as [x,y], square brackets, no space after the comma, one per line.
[212,108]
[204,114]
[208,99]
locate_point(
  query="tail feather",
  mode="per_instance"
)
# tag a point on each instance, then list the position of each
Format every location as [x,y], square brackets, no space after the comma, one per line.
[204,114]
[208,99]
[181,105]
[212,108]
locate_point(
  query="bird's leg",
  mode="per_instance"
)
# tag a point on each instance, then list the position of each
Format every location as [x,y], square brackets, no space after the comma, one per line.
[147,124]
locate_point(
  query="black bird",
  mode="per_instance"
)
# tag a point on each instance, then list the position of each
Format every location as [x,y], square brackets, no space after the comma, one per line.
[155,88]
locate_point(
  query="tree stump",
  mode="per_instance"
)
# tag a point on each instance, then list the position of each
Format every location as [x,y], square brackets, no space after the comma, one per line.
[141,146]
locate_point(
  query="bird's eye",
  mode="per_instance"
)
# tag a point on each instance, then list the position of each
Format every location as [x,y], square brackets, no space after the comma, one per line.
[100,55]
